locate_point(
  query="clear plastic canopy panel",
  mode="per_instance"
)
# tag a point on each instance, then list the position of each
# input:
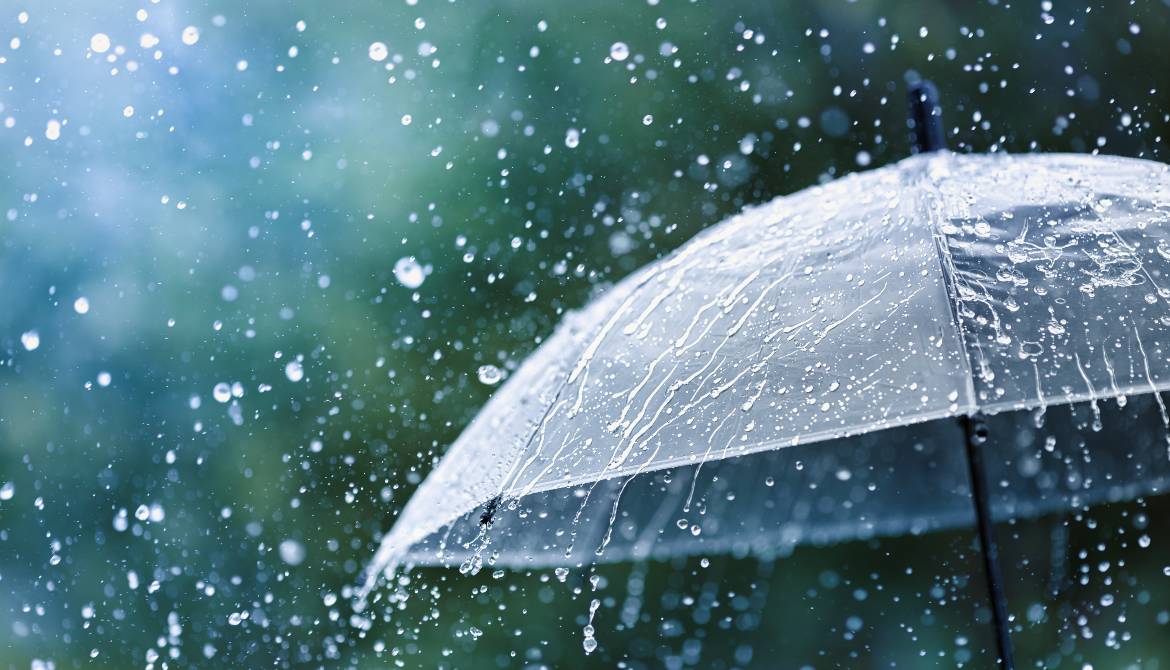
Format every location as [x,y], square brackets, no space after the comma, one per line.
[939,286]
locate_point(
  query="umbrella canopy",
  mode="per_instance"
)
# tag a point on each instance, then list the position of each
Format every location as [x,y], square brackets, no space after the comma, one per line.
[726,398]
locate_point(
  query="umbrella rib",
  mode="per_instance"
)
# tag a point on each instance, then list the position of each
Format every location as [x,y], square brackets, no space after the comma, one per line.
[975,439]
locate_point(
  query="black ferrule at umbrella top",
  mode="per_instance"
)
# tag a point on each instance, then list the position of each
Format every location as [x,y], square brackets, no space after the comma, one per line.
[926,117]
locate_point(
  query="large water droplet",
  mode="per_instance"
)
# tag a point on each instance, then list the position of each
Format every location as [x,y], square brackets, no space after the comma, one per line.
[408,272]
[489,374]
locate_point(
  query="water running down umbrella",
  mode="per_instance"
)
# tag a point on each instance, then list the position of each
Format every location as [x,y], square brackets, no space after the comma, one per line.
[828,340]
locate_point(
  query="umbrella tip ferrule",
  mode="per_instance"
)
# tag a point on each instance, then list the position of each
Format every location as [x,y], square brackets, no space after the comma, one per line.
[926,117]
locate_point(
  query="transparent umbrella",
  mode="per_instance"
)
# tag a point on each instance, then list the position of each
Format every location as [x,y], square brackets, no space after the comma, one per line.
[827,366]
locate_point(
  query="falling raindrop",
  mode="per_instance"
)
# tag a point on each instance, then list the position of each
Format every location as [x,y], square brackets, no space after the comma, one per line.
[99,43]
[30,340]
[619,51]
[409,273]
[294,371]
[292,552]
[489,374]
[378,51]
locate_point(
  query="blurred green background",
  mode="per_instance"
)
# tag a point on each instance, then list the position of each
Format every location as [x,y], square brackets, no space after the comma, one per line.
[222,196]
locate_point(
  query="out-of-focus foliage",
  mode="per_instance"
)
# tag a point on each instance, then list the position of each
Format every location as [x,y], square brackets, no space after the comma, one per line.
[253,254]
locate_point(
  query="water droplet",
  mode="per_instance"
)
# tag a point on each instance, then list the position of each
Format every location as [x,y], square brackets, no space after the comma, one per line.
[489,374]
[81,305]
[222,392]
[572,138]
[7,491]
[294,371]
[648,119]
[99,43]
[292,552]
[378,51]
[31,340]
[619,51]
[409,273]
[190,35]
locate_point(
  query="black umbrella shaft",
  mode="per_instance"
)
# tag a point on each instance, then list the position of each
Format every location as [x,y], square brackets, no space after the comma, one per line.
[975,432]
[926,114]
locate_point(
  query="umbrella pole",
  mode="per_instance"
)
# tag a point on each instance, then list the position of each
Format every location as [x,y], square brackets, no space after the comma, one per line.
[975,431]
[926,115]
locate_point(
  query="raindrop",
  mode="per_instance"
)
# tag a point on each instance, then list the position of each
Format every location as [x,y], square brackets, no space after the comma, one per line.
[489,374]
[7,491]
[190,35]
[222,392]
[378,51]
[81,305]
[619,51]
[99,43]
[294,371]
[572,138]
[292,552]
[31,340]
[408,272]
[648,119]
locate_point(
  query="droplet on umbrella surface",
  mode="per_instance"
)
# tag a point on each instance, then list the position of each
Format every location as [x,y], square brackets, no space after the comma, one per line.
[222,392]
[292,552]
[190,35]
[7,491]
[378,51]
[81,305]
[31,340]
[99,43]
[294,371]
[408,272]
[489,374]
[619,51]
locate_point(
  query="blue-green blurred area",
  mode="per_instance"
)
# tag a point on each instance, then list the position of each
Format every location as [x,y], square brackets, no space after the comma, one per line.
[252,256]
